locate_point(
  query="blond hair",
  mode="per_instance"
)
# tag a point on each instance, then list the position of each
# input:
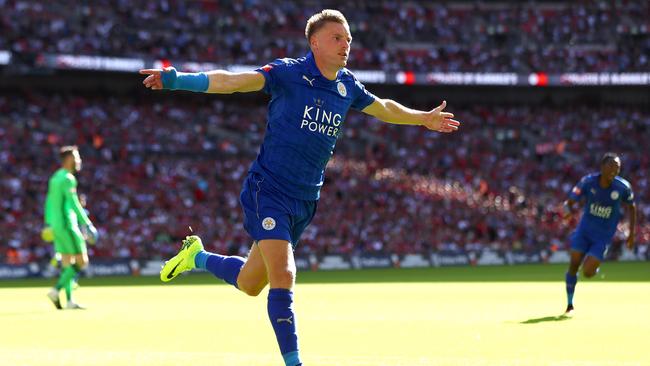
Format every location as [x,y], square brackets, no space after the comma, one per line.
[318,20]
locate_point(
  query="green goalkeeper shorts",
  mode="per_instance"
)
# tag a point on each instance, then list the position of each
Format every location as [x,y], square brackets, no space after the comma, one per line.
[69,240]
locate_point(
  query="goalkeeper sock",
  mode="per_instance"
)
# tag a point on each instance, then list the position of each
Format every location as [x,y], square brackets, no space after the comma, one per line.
[65,280]
[226,268]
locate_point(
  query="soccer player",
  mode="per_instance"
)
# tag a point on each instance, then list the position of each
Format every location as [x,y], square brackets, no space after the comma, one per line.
[603,194]
[63,217]
[310,97]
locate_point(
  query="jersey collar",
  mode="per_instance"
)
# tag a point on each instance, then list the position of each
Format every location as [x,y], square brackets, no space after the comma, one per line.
[313,69]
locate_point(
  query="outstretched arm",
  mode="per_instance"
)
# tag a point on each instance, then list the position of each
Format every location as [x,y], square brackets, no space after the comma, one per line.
[217,81]
[390,111]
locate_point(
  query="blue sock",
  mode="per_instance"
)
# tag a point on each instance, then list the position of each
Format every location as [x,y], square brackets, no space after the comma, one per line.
[223,267]
[571,281]
[280,310]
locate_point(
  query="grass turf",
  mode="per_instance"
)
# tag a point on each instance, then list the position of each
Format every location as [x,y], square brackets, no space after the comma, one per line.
[447,316]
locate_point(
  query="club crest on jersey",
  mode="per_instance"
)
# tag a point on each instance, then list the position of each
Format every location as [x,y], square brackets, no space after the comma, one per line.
[268,223]
[341,88]
[614,195]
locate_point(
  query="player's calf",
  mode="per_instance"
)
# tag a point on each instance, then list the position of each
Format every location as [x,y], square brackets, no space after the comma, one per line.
[251,288]
[590,266]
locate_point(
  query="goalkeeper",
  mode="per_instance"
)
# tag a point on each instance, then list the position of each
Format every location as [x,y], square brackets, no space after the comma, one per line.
[64,221]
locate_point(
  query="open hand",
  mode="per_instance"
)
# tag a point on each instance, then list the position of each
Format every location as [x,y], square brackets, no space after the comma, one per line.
[440,121]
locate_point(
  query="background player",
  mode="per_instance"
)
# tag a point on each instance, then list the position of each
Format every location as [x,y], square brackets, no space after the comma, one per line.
[310,99]
[602,193]
[63,216]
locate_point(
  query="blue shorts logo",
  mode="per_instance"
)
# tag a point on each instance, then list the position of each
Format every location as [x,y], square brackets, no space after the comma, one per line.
[268,223]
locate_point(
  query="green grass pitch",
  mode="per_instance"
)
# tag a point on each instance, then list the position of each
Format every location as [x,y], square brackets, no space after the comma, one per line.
[501,316]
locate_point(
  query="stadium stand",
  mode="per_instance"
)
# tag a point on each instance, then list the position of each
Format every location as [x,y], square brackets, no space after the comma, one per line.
[154,167]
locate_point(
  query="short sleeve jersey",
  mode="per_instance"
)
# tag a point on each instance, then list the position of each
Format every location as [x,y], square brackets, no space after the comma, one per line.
[602,209]
[305,118]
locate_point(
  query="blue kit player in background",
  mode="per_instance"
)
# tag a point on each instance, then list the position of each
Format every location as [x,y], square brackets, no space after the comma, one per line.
[310,97]
[603,194]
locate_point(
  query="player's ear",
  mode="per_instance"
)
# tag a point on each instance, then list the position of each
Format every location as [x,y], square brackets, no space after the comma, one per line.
[313,43]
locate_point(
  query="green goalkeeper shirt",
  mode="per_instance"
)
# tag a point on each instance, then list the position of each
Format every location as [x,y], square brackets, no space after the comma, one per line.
[62,206]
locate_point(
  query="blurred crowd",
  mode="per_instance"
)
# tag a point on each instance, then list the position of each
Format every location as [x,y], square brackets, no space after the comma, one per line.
[508,36]
[154,167]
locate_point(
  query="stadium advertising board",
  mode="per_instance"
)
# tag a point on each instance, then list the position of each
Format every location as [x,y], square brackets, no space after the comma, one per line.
[414,261]
[541,79]
[115,267]
[449,258]
[302,263]
[17,271]
[521,258]
[371,261]
[333,261]
[490,257]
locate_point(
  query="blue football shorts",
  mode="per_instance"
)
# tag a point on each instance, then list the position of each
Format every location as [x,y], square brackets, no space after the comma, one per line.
[590,244]
[271,214]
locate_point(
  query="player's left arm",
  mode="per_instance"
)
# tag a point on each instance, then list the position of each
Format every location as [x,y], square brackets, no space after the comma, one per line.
[631,208]
[70,194]
[390,111]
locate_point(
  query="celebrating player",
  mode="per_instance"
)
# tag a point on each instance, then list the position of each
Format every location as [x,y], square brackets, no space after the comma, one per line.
[603,195]
[310,97]
[63,215]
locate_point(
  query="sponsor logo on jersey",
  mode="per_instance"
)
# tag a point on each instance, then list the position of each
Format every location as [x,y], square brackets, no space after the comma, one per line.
[604,212]
[317,119]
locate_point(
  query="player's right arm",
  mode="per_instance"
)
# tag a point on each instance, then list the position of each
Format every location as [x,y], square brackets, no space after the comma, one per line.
[216,81]
[48,210]
[576,194]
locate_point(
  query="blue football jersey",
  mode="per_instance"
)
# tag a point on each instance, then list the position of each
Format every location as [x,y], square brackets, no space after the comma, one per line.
[305,119]
[602,209]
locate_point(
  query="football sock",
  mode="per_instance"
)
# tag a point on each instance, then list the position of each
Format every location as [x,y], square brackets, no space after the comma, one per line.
[571,281]
[65,280]
[226,268]
[283,320]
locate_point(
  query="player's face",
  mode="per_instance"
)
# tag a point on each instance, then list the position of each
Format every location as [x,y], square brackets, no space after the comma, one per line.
[77,160]
[610,169]
[332,44]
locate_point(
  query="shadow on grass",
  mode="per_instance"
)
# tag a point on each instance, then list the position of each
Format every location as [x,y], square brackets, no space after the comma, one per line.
[556,318]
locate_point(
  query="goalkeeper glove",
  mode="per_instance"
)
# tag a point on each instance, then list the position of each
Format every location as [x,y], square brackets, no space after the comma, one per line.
[47,234]
[91,234]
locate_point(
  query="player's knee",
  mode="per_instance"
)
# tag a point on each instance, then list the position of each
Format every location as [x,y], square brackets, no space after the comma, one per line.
[283,279]
[81,262]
